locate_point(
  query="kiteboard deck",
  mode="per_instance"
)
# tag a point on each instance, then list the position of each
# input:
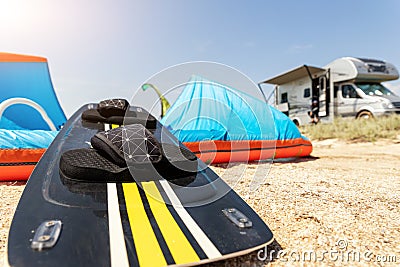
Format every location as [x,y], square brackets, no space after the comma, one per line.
[126,224]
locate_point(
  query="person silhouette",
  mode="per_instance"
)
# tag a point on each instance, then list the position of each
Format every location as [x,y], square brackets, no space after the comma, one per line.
[314,113]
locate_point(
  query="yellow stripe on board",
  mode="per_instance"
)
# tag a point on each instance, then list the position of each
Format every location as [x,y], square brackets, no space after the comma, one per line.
[147,248]
[181,249]
[113,126]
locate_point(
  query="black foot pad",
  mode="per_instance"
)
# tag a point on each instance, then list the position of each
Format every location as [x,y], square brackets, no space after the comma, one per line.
[90,166]
[116,111]
[119,151]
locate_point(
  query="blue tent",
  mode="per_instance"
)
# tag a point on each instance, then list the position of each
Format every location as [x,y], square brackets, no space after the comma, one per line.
[30,115]
[209,111]
[26,80]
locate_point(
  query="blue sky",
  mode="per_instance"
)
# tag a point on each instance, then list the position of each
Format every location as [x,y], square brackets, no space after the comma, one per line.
[100,49]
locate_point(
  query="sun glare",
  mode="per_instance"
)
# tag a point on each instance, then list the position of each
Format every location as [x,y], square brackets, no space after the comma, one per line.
[10,11]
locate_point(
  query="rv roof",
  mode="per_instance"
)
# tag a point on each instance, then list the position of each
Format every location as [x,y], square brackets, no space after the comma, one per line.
[294,74]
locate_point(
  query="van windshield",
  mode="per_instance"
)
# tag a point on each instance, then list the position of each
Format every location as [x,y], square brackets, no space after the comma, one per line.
[374,89]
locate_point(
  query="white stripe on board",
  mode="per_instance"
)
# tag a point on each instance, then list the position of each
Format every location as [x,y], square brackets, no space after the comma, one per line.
[118,253]
[198,234]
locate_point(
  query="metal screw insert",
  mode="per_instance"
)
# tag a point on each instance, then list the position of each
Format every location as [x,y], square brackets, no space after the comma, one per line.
[44,238]
[50,223]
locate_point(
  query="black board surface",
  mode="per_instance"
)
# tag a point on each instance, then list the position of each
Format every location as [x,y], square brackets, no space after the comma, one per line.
[150,222]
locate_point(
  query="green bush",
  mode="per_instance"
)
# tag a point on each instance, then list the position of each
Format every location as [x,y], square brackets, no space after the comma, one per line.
[387,127]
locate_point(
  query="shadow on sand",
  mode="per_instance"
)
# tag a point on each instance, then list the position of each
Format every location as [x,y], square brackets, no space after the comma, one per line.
[280,160]
[12,183]
[295,160]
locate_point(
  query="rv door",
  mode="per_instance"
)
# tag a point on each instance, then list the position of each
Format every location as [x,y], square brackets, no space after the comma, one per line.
[320,88]
[323,84]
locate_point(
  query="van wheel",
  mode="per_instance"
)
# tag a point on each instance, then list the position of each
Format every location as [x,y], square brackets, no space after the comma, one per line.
[365,115]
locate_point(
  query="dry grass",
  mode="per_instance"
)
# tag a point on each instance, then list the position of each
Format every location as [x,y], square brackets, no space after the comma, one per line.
[355,130]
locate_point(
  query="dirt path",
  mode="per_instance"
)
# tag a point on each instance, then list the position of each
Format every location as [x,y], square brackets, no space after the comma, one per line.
[345,200]
[342,206]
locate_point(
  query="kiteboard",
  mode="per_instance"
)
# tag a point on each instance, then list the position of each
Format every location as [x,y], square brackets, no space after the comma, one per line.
[158,218]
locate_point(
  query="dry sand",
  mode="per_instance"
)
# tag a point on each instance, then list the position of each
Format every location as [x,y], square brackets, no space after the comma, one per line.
[338,207]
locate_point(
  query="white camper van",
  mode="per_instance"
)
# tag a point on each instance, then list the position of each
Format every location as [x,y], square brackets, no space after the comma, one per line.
[347,87]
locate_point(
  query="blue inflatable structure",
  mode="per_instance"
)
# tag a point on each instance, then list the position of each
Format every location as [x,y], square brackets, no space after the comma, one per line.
[222,124]
[30,114]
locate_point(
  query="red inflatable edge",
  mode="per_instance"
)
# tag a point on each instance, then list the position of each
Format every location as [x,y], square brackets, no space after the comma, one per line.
[18,164]
[212,151]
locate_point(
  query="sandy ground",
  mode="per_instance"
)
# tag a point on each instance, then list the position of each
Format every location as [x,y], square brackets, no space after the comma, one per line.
[338,207]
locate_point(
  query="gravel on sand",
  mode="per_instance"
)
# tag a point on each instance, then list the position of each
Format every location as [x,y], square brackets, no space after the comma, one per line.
[341,206]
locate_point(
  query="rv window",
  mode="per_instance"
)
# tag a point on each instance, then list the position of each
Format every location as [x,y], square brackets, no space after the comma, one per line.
[374,89]
[307,93]
[348,91]
[284,98]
